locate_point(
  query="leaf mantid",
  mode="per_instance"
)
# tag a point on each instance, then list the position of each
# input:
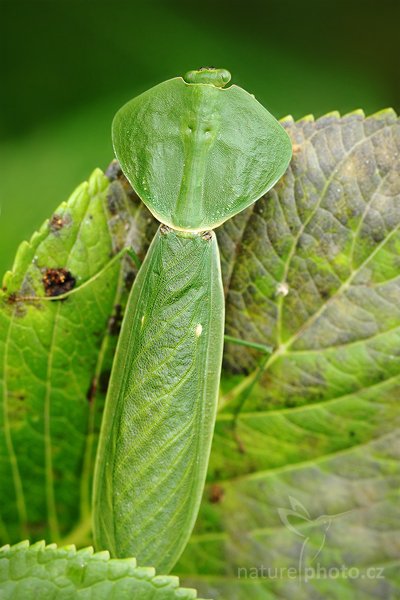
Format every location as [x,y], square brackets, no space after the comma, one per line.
[197,153]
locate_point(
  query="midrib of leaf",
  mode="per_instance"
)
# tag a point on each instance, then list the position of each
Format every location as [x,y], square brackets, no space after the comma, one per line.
[264,413]
[263,531]
[272,472]
[346,344]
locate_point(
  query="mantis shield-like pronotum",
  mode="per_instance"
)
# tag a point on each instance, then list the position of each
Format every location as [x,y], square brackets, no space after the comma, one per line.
[197,153]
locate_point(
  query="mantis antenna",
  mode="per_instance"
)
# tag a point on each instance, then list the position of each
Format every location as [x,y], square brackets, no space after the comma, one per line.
[197,153]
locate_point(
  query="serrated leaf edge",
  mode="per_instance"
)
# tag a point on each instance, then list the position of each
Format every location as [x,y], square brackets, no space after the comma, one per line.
[96,183]
[335,114]
[147,573]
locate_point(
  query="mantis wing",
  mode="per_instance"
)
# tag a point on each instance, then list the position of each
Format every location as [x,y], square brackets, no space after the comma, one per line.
[160,410]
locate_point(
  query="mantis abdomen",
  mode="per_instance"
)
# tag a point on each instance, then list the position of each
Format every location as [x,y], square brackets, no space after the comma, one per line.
[159,418]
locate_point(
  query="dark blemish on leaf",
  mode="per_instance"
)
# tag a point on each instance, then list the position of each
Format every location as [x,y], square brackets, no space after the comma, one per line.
[164,229]
[207,235]
[324,294]
[112,202]
[17,395]
[129,279]
[116,199]
[12,298]
[290,403]
[352,433]
[57,222]
[17,302]
[240,445]
[57,282]
[36,527]
[57,474]
[92,390]
[104,380]
[114,322]
[216,493]
[114,173]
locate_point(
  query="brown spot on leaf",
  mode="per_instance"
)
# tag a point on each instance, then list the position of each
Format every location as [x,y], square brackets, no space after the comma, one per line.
[164,229]
[216,493]
[12,298]
[240,446]
[104,380]
[114,173]
[18,395]
[56,222]
[92,390]
[207,235]
[57,282]
[129,279]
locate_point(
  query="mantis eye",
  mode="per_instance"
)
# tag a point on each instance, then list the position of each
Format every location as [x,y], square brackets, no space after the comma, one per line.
[208,75]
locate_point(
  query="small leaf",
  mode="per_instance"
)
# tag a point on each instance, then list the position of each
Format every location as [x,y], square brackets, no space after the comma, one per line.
[55,355]
[40,571]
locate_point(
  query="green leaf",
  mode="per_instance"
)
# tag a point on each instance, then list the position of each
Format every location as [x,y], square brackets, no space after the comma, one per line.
[314,271]
[55,354]
[40,571]
[318,426]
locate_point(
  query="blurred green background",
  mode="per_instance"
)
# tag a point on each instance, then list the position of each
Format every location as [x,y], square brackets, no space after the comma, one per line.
[68,65]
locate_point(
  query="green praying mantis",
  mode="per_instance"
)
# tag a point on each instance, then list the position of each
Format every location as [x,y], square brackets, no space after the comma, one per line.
[197,153]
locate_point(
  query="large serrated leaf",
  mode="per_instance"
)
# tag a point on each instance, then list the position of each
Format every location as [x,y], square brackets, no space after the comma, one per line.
[40,571]
[313,270]
[316,274]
